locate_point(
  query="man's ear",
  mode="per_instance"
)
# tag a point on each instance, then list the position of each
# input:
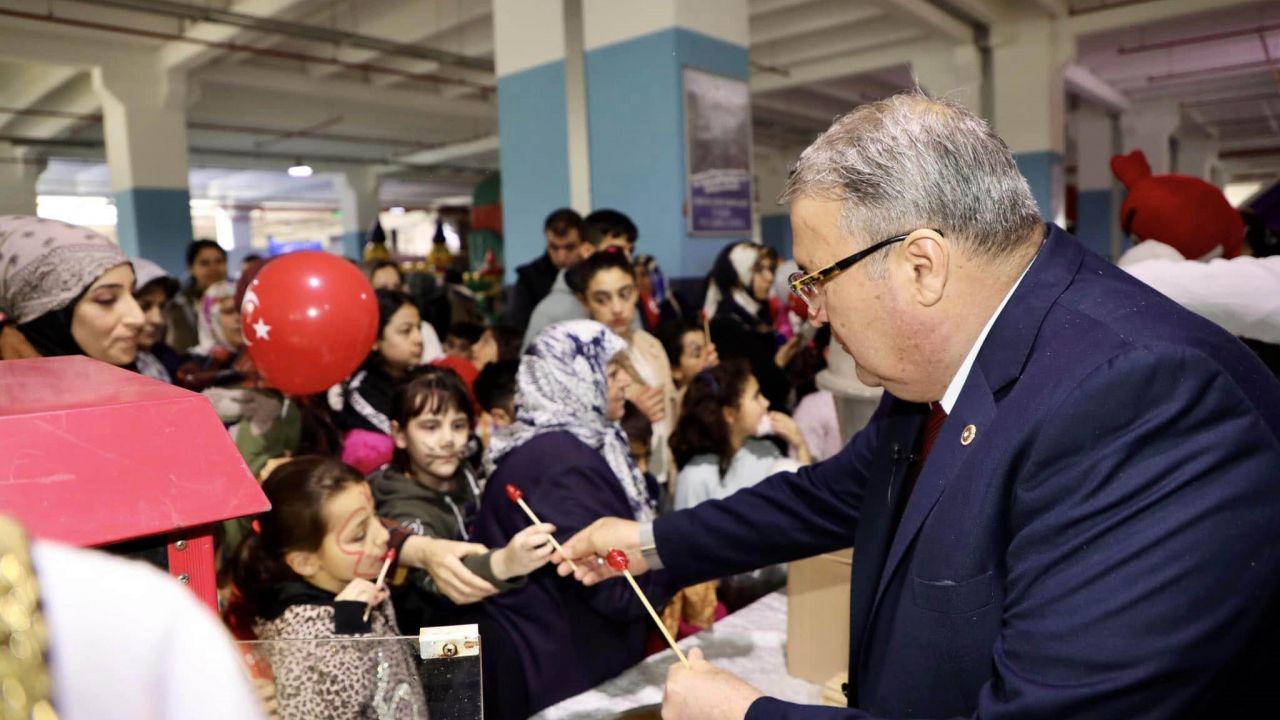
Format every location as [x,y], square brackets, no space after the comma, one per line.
[928,257]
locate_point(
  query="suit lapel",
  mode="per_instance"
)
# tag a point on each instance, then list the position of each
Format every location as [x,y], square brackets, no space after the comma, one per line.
[975,407]
[871,542]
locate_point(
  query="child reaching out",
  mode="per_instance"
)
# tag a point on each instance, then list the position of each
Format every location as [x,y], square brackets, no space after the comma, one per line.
[430,490]
[308,575]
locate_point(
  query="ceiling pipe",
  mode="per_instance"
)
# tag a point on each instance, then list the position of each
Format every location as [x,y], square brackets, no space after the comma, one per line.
[258,23]
[96,118]
[1194,40]
[241,47]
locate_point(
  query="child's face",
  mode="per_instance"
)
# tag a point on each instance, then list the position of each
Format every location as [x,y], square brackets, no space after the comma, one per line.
[692,360]
[434,441]
[611,299]
[401,340]
[355,543]
[229,318]
[640,454]
[460,347]
[745,418]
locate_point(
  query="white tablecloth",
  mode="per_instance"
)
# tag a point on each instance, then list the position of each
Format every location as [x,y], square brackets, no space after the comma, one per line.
[750,643]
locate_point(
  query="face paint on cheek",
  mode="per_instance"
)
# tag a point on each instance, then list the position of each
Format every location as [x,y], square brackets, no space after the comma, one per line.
[365,565]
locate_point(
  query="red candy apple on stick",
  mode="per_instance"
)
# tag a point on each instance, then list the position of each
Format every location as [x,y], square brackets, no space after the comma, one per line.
[517,496]
[619,561]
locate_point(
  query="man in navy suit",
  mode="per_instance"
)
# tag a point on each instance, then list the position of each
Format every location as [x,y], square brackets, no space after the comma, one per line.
[1068,503]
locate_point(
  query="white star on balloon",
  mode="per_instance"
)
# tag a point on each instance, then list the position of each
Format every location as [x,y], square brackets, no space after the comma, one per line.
[262,330]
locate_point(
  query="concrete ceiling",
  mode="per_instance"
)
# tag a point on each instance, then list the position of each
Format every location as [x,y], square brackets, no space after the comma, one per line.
[260,97]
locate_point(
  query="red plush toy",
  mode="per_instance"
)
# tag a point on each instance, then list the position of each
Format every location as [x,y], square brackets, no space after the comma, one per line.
[1184,212]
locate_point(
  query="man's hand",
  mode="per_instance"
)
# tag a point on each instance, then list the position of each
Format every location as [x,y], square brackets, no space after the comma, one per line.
[443,559]
[705,692]
[590,545]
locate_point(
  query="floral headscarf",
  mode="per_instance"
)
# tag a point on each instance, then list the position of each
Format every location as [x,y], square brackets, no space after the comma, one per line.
[562,386]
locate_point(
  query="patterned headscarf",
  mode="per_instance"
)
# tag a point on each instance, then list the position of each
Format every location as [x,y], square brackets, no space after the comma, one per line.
[45,264]
[562,386]
[210,327]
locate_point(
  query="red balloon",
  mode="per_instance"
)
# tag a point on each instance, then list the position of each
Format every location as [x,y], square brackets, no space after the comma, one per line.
[309,320]
[513,493]
[617,560]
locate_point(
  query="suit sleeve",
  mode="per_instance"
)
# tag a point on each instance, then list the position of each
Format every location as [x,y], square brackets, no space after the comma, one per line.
[808,512]
[579,495]
[1143,548]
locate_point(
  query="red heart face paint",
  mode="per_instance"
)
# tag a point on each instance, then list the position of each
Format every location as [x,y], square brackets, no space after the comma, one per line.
[357,542]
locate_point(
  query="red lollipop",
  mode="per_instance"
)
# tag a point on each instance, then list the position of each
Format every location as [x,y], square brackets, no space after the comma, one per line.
[617,560]
[514,494]
[309,320]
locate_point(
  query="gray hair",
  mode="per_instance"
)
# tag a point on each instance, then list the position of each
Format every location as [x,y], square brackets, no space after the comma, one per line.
[909,162]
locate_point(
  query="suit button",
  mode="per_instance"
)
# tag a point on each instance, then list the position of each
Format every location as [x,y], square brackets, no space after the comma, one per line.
[968,434]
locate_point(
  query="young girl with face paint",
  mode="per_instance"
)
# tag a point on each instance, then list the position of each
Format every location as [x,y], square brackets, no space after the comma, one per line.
[431,489]
[308,576]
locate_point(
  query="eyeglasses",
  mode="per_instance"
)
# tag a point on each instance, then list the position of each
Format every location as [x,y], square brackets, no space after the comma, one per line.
[809,287]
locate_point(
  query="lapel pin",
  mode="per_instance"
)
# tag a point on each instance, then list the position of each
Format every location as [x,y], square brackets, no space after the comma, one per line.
[968,434]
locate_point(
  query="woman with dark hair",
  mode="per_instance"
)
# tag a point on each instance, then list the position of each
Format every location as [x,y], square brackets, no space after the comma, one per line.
[718,443]
[206,264]
[658,302]
[608,292]
[67,291]
[737,304]
[387,275]
[571,459]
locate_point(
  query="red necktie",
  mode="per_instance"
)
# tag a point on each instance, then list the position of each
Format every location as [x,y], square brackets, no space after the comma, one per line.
[928,435]
[932,426]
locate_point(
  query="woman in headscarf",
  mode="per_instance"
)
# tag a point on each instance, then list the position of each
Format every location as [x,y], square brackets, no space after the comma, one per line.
[67,291]
[737,305]
[154,290]
[567,453]
[220,368]
[658,302]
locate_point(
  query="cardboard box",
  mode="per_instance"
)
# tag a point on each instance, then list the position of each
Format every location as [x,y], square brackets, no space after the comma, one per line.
[818,616]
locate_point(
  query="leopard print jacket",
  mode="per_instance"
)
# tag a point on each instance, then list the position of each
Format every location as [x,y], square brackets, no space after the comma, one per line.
[321,674]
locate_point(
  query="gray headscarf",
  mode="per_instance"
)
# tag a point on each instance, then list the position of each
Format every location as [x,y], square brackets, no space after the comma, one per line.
[46,264]
[562,386]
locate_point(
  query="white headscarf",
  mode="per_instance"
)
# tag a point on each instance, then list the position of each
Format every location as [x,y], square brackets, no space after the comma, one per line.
[743,257]
[210,327]
[562,386]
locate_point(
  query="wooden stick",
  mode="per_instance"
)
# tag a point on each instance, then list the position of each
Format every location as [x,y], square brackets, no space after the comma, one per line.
[528,511]
[654,614]
[619,561]
[386,564]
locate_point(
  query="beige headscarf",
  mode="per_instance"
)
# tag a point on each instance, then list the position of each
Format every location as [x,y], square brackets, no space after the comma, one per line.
[46,264]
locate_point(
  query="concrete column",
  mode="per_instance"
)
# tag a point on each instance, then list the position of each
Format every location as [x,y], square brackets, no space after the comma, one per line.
[1029,51]
[1197,155]
[144,121]
[1150,128]
[533,123]
[358,201]
[635,57]
[18,176]
[1096,226]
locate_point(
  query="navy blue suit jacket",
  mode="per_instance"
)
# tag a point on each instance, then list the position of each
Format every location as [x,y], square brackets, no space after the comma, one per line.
[1107,546]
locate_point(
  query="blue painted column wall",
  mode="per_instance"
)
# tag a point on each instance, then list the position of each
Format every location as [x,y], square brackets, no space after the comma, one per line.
[155,223]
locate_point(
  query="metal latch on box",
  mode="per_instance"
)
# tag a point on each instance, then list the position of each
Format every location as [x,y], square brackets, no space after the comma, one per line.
[449,641]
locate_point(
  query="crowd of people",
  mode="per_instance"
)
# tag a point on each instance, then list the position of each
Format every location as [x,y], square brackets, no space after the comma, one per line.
[604,391]
[600,391]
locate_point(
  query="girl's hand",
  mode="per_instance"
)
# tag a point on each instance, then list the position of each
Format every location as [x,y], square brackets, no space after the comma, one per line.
[443,559]
[786,428]
[361,590]
[529,550]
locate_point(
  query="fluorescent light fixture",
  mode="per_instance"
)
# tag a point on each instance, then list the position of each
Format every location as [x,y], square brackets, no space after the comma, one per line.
[300,170]
[397,210]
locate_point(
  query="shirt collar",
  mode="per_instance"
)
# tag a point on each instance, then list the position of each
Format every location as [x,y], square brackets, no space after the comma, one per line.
[952,394]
